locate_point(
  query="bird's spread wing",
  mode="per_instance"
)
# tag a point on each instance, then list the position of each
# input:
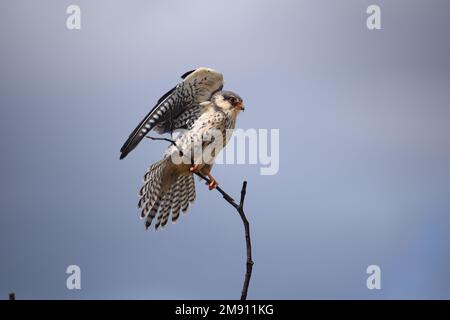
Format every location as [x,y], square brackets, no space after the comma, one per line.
[167,115]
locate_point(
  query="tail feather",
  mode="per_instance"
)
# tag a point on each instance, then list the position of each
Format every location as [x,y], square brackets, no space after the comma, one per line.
[191,188]
[184,196]
[165,210]
[151,190]
[176,204]
[158,197]
[165,213]
[152,213]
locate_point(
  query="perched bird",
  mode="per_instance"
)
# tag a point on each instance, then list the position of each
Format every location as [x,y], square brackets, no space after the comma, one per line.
[205,115]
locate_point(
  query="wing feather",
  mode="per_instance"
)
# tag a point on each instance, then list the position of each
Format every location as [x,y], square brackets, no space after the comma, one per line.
[197,86]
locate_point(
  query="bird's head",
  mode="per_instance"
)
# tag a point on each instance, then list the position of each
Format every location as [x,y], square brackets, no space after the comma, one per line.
[228,101]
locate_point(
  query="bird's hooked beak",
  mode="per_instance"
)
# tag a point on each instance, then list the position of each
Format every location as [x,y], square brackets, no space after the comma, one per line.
[239,105]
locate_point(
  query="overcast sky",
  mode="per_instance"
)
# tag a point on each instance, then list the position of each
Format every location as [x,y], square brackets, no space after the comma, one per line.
[364,149]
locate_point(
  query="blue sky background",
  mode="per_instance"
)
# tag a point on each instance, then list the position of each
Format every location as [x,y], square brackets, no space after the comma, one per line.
[364,153]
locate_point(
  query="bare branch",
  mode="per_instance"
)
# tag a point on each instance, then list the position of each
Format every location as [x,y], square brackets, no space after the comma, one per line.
[162,139]
[240,209]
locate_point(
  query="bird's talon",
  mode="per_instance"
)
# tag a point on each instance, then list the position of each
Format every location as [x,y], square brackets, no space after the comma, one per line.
[213,185]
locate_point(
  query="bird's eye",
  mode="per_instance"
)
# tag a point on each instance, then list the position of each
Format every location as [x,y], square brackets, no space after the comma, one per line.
[232,100]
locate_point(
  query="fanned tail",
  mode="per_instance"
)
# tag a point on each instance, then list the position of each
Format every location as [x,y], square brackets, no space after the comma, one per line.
[161,197]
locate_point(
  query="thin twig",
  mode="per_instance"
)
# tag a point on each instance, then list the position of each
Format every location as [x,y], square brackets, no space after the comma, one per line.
[162,139]
[240,209]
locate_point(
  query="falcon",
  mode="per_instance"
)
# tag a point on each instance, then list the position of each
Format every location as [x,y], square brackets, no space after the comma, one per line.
[204,115]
